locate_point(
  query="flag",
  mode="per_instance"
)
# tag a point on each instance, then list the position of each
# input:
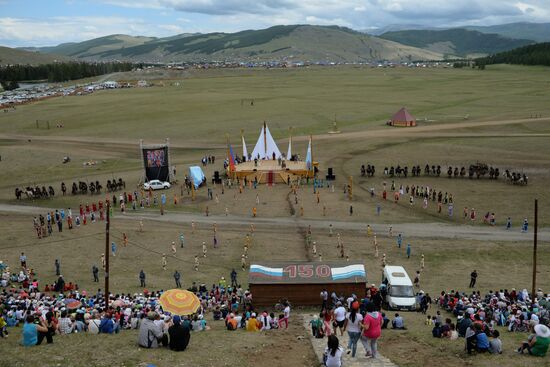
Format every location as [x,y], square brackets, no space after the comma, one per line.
[231,159]
[309,164]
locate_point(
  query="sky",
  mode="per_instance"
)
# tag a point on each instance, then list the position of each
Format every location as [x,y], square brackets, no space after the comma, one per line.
[50,22]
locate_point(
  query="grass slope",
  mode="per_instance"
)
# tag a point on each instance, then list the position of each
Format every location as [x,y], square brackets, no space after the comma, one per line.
[460,42]
[10,56]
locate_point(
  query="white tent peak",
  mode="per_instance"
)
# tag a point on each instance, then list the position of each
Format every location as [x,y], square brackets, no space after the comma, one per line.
[266,146]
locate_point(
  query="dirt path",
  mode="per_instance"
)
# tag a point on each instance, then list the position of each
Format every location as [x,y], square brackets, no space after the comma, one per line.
[440,130]
[422,230]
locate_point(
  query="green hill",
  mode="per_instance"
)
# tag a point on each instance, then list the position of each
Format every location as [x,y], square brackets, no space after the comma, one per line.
[537,54]
[456,42]
[96,45]
[539,32]
[11,56]
[292,42]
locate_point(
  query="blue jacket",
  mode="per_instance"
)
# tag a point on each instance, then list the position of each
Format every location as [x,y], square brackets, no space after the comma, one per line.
[107,326]
[482,341]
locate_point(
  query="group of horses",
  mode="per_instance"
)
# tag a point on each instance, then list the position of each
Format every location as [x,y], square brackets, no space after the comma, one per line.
[515,178]
[368,171]
[81,188]
[36,192]
[477,170]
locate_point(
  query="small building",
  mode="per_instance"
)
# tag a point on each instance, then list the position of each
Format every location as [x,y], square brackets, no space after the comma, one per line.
[302,282]
[402,118]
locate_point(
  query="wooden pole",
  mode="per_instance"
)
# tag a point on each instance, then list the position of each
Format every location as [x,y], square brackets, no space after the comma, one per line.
[534,285]
[107,251]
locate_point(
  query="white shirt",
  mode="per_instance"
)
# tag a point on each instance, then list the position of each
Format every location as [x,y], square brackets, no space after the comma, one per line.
[336,360]
[355,327]
[340,314]
[287,311]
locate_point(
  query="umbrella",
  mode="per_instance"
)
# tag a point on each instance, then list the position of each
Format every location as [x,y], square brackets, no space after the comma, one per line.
[179,302]
[118,303]
[74,305]
[68,300]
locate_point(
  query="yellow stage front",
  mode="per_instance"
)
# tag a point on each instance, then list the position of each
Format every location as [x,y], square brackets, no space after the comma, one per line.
[269,171]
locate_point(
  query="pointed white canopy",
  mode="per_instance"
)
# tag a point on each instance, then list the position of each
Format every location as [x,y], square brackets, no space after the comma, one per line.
[289,153]
[265,147]
[245,152]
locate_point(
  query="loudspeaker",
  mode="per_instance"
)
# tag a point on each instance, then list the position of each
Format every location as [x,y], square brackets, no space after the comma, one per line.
[330,176]
[216,179]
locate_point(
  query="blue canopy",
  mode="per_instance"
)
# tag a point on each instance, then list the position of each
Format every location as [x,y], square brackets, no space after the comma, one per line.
[196,176]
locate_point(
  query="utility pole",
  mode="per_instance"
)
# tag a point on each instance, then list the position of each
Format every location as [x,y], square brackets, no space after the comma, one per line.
[534,285]
[107,251]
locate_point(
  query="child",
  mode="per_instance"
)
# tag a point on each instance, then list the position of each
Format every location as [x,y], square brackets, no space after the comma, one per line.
[495,345]
[428,321]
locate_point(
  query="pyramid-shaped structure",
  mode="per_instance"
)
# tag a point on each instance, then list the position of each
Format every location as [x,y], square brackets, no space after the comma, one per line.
[403,118]
[265,146]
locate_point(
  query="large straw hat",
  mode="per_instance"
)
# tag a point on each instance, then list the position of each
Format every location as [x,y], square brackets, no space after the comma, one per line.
[542,330]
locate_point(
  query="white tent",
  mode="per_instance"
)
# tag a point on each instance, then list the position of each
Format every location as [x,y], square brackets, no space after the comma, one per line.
[265,147]
[289,153]
[245,152]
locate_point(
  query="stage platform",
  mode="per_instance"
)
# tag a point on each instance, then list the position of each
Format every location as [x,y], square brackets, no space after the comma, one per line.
[269,171]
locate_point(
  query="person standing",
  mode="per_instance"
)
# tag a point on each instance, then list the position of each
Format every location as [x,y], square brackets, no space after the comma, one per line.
[113,248]
[408,250]
[196,263]
[103,264]
[473,279]
[177,277]
[233,278]
[23,260]
[353,327]
[508,223]
[525,226]
[204,250]
[142,278]
[164,263]
[57,267]
[286,315]
[174,248]
[372,329]
[243,262]
[95,272]
[339,318]
[399,240]
[324,299]
[182,240]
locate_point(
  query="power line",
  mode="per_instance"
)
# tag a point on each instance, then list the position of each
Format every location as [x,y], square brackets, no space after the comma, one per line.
[41,243]
[144,248]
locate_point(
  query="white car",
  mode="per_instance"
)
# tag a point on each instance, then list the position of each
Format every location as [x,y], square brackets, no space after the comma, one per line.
[156,185]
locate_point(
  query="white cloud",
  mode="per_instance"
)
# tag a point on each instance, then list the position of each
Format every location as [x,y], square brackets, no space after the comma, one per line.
[52,31]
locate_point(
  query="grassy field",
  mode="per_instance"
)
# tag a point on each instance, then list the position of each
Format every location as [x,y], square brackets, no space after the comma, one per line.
[106,127]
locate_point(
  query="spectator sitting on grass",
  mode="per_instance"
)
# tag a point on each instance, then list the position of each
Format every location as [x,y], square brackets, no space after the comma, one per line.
[398,323]
[537,343]
[495,345]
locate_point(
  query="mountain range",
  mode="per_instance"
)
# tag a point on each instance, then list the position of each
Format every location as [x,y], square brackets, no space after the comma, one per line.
[295,43]
[456,42]
[288,42]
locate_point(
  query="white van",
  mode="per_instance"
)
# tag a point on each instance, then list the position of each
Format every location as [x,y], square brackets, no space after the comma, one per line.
[399,289]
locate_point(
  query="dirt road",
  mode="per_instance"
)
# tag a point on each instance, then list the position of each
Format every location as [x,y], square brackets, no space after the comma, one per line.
[420,230]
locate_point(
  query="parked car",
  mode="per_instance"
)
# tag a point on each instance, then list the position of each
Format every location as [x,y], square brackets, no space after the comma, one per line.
[156,185]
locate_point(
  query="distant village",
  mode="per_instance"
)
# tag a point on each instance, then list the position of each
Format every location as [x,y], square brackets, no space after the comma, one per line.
[32,92]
